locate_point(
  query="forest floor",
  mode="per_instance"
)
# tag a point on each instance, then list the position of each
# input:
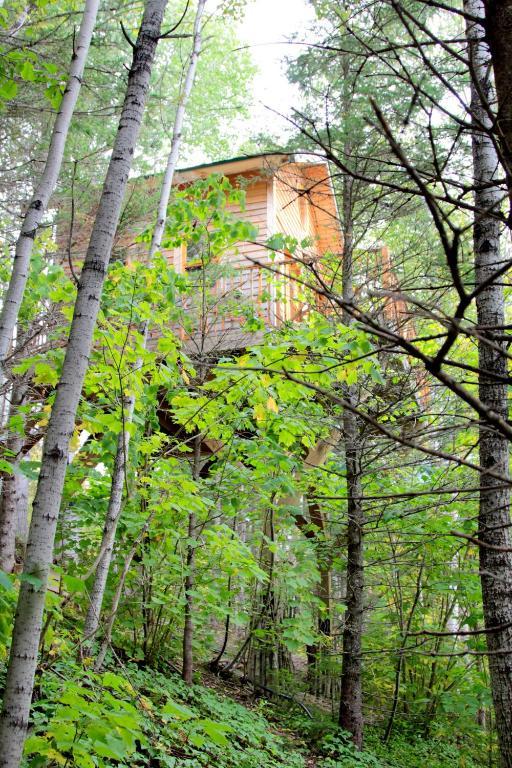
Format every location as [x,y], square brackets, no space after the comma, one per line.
[132,715]
[235,688]
[317,742]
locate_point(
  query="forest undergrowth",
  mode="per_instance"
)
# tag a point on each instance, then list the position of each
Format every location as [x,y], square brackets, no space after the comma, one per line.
[133,715]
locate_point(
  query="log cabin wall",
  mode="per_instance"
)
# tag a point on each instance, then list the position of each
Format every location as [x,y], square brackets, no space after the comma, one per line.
[245,282]
[294,216]
[282,195]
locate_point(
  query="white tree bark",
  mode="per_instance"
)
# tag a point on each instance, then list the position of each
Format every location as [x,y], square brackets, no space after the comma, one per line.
[494,507]
[20,20]
[29,614]
[109,624]
[120,463]
[97,593]
[21,501]
[11,497]
[39,202]
[176,133]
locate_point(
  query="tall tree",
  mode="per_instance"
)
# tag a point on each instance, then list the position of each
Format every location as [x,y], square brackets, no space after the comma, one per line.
[28,623]
[177,130]
[38,203]
[494,512]
[121,458]
[11,499]
[351,696]
[495,17]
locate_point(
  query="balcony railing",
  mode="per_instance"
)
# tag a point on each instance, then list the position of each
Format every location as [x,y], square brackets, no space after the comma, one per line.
[221,304]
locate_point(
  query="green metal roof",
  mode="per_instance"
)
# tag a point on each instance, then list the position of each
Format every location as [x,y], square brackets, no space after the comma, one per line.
[233,160]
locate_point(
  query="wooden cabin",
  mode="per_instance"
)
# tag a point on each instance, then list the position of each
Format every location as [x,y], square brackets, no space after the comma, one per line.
[286,194]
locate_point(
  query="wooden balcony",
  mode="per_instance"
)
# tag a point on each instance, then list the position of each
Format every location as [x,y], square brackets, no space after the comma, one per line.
[217,314]
[284,193]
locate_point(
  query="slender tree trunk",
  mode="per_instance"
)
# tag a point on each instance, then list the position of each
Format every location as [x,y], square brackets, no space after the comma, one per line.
[494,510]
[215,662]
[21,503]
[39,202]
[92,618]
[324,594]
[13,514]
[177,132]
[120,462]
[498,30]
[109,624]
[188,629]
[23,14]
[27,628]
[10,503]
[320,683]
[401,658]
[351,703]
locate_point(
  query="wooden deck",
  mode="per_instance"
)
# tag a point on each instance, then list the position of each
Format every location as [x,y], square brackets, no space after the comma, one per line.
[216,315]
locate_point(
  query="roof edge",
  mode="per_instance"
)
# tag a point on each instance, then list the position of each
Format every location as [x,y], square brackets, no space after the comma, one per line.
[240,158]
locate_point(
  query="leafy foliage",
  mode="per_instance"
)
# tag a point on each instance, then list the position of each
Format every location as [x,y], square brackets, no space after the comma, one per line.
[138,717]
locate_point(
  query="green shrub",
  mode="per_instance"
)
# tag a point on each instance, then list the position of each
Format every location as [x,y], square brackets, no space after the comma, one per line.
[135,717]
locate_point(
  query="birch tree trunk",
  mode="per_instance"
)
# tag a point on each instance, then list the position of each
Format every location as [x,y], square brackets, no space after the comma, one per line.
[109,624]
[494,508]
[177,132]
[351,703]
[10,502]
[27,628]
[21,493]
[97,593]
[92,619]
[39,202]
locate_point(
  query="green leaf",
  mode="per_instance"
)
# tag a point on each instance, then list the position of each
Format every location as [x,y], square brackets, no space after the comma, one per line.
[82,758]
[178,712]
[215,731]
[197,740]
[29,578]
[37,744]
[6,467]
[17,424]
[5,581]
[27,72]
[111,747]
[30,469]
[8,90]
[45,374]
[111,680]
[73,584]
[54,95]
